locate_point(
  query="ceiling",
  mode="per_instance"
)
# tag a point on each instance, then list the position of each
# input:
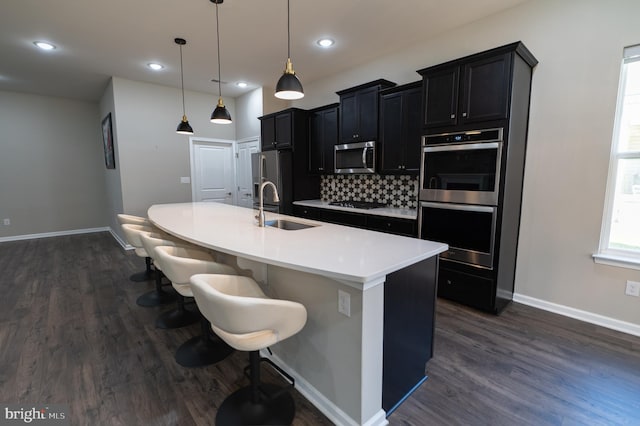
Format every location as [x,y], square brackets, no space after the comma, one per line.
[99,39]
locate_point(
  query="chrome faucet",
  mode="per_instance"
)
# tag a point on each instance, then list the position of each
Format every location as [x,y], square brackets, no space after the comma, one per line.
[276,199]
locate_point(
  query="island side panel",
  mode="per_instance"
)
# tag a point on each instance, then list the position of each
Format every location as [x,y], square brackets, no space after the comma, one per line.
[409,322]
[328,352]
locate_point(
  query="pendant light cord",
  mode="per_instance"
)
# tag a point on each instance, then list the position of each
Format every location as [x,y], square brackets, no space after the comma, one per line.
[288,30]
[182,81]
[218,37]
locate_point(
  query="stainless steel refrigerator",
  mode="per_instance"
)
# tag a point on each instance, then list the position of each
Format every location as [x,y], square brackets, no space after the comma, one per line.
[274,166]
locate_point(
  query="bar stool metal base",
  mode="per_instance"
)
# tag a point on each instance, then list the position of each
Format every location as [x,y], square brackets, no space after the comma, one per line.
[156,298]
[200,351]
[237,408]
[146,275]
[177,318]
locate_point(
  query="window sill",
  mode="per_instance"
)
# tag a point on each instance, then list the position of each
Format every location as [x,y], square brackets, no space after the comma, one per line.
[617,260]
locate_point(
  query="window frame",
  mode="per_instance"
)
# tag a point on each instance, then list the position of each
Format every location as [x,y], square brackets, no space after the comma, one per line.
[606,254]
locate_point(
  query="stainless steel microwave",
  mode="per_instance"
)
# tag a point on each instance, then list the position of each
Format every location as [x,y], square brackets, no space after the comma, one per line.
[355,158]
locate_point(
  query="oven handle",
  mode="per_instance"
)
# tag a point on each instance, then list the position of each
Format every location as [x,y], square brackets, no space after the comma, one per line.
[461,147]
[463,207]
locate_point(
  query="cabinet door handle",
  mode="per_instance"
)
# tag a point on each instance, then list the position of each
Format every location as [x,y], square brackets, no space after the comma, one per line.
[320,168]
[453,116]
[464,114]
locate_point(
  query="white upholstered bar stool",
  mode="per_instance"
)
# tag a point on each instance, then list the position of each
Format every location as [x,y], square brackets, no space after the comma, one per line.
[179,264]
[180,316]
[244,317]
[123,219]
[158,296]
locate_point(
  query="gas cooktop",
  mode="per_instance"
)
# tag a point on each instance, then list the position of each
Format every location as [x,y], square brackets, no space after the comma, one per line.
[358,204]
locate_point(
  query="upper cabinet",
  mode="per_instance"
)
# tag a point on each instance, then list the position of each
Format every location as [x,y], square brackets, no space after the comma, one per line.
[281,129]
[472,89]
[323,136]
[359,111]
[400,129]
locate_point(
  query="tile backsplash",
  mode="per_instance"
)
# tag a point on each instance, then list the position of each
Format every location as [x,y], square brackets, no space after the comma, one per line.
[395,191]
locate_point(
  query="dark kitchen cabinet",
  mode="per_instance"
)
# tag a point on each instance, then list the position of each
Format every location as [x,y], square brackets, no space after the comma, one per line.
[487,90]
[391,225]
[470,90]
[344,218]
[359,111]
[400,129]
[323,136]
[281,129]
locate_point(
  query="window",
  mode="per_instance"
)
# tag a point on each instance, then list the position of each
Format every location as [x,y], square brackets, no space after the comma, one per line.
[620,238]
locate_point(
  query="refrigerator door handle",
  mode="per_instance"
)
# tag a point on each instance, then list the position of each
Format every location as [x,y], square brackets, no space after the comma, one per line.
[263,165]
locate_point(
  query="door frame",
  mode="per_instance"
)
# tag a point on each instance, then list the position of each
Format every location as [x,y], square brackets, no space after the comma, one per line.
[196,140]
[239,143]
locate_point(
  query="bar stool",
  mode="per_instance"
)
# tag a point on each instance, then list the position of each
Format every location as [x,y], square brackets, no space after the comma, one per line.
[175,318]
[179,264]
[244,317]
[158,296]
[123,219]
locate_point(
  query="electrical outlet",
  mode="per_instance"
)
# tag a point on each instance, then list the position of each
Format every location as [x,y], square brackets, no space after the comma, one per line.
[185,179]
[633,288]
[344,303]
[7,222]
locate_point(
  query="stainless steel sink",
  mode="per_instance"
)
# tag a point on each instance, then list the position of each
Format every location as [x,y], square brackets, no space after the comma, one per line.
[287,224]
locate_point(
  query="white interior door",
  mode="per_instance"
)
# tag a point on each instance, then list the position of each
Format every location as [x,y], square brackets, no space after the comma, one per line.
[244,193]
[212,171]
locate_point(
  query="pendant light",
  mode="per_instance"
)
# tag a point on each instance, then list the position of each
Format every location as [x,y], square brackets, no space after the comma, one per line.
[220,115]
[289,87]
[184,128]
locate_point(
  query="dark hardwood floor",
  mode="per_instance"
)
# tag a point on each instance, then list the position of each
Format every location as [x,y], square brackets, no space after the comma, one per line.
[71,333]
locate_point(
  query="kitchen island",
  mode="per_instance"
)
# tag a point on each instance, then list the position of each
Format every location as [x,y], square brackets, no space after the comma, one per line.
[387,288]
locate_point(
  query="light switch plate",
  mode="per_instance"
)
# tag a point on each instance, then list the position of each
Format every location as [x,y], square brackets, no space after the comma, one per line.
[185,179]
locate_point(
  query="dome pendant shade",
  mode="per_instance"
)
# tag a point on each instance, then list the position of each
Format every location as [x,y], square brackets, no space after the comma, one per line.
[184,128]
[289,87]
[221,115]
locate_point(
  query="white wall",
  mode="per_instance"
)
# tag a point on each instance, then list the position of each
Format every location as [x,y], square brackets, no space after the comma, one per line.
[248,109]
[113,184]
[51,165]
[151,155]
[579,45]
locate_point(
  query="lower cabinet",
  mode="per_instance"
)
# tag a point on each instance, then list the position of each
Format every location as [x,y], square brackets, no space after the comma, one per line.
[397,226]
[391,225]
[475,288]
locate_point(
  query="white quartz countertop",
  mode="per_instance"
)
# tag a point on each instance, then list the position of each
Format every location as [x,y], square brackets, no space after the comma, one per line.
[335,251]
[402,213]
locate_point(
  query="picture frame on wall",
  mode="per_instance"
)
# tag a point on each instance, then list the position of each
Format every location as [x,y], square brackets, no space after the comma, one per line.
[107,139]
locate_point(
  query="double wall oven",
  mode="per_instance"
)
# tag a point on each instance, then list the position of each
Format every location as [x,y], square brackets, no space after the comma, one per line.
[459,193]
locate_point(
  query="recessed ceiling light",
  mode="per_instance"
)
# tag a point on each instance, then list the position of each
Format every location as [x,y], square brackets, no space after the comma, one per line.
[44,45]
[155,67]
[325,42]
[242,84]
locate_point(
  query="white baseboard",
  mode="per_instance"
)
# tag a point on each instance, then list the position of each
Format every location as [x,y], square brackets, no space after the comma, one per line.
[120,241]
[612,323]
[328,408]
[53,234]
